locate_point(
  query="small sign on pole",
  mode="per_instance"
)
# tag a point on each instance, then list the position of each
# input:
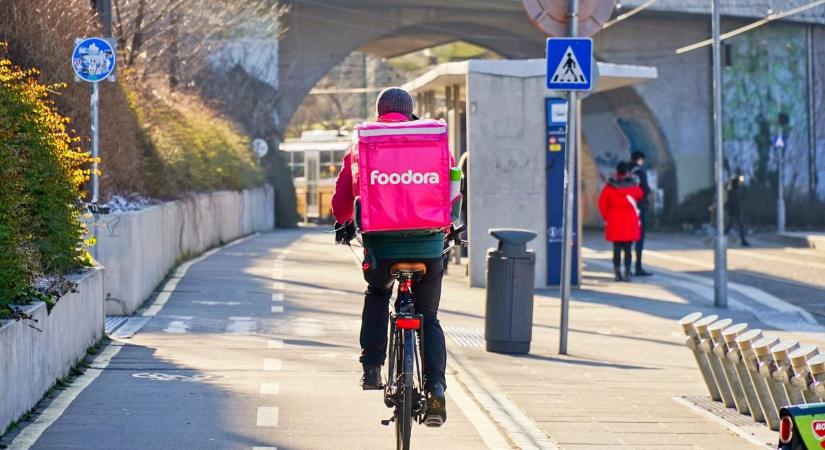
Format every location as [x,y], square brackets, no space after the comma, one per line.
[779,144]
[261,148]
[94,60]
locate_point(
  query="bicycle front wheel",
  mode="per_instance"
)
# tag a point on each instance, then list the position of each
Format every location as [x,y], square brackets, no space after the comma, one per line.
[404,403]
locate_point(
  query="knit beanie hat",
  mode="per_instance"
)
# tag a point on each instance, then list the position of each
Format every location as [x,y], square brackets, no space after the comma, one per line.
[394,100]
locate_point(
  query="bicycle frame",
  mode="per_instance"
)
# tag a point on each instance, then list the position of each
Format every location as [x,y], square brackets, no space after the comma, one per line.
[404,382]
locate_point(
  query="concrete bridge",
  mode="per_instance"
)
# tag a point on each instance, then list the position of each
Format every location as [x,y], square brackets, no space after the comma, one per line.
[320,33]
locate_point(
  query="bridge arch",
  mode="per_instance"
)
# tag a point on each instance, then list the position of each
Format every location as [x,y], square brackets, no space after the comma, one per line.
[321,33]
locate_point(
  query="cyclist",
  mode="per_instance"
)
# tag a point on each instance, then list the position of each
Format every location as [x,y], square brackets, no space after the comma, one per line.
[381,250]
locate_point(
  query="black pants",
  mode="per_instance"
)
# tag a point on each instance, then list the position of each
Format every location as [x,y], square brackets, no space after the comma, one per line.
[735,218]
[640,244]
[375,318]
[618,248]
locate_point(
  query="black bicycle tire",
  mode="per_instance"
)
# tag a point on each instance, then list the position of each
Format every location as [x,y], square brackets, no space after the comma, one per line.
[403,408]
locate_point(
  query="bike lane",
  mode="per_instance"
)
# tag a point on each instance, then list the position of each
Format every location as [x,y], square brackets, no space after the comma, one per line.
[256,348]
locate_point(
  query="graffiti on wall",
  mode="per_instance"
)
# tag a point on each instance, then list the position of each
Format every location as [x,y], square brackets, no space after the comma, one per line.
[765,76]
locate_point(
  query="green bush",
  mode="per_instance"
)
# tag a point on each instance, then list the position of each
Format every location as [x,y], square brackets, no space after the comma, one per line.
[192,148]
[758,205]
[40,176]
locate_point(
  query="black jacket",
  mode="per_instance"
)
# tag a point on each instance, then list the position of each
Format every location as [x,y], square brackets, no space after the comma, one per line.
[641,174]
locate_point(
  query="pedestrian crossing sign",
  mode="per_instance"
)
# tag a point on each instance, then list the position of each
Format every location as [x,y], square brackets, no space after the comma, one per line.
[569,64]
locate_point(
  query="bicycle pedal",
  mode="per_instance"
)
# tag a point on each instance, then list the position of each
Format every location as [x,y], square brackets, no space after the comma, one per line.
[387,422]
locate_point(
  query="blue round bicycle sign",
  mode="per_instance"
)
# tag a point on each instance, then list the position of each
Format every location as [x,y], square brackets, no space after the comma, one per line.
[93,59]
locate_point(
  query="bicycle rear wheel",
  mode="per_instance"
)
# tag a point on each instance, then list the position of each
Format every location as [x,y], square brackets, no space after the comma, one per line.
[404,402]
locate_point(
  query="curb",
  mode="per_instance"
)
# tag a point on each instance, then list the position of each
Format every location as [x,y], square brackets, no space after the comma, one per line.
[814,242]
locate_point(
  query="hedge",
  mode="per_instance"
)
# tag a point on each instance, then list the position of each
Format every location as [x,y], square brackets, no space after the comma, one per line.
[41,171]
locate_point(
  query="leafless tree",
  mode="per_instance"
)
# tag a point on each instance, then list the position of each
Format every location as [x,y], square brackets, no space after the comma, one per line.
[176,37]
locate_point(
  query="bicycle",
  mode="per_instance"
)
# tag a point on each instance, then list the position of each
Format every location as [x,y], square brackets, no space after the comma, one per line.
[403,390]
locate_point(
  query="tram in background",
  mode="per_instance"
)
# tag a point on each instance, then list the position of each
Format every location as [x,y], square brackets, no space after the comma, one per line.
[314,161]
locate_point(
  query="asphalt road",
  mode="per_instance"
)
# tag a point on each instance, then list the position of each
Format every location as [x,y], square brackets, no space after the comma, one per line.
[796,275]
[255,349]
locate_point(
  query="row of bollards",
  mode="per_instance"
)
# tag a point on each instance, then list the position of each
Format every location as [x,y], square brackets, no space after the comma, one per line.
[755,374]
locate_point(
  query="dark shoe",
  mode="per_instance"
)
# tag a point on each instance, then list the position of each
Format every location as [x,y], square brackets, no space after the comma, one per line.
[436,406]
[626,274]
[618,273]
[642,272]
[746,244]
[371,380]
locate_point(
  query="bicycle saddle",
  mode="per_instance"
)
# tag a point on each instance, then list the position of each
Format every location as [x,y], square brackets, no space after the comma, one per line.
[411,267]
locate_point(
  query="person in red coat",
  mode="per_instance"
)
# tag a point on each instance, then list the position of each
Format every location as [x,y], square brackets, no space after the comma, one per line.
[618,207]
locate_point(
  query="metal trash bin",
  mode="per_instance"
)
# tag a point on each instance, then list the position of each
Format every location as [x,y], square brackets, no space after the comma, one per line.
[510,280]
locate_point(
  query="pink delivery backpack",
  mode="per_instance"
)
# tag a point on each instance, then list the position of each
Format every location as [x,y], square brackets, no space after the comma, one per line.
[402,175]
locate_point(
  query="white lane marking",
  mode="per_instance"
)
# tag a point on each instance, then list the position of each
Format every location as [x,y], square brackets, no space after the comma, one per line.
[264,448]
[485,428]
[267,416]
[214,303]
[180,325]
[32,432]
[277,309]
[277,274]
[518,427]
[272,365]
[757,295]
[776,258]
[241,325]
[278,286]
[753,293]
[168,288]
[275,343]
[278,297]
[308,327]
[270,389]
[739,432]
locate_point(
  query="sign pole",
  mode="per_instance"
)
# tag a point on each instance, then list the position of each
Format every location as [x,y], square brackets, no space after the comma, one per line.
[720,278]
[94,60]
[780,175]
[569,192]
[95,101]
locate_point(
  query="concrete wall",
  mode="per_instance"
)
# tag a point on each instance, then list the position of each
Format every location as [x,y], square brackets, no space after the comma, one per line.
[506,185]
[680,98]
[31,360]
[138,248]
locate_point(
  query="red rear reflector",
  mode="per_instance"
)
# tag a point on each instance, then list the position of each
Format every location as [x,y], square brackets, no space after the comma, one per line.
[785,430]
[408,324]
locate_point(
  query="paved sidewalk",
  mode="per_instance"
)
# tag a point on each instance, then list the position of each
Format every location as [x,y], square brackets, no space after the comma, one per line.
[626,364]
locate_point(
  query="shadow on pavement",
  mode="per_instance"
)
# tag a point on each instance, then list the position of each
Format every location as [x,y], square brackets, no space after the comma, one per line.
[581,362]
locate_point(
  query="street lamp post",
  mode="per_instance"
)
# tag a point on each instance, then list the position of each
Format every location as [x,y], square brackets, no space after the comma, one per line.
[720,279]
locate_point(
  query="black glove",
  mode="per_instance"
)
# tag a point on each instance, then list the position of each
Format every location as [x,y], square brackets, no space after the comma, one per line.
[344,233]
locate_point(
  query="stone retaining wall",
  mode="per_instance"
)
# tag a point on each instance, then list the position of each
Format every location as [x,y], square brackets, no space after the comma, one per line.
[139,248]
